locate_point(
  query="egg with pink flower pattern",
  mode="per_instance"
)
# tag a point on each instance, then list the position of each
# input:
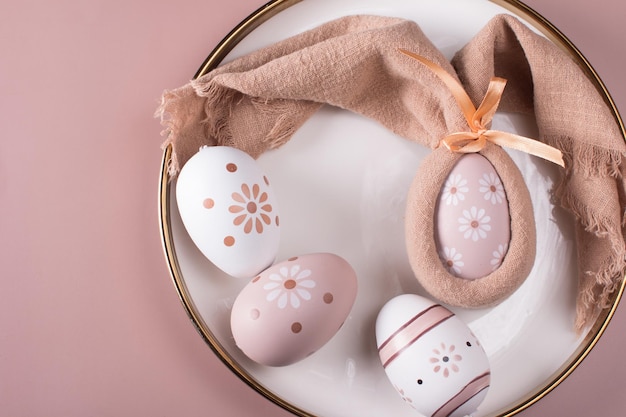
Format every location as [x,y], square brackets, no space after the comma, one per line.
[431,357]
[293,308]
[229,210]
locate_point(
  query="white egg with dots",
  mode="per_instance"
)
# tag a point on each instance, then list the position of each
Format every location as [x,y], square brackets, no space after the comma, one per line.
[229,210]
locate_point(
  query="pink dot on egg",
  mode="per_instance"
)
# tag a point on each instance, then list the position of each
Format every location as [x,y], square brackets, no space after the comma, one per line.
[277,221]
[296,327]
[255,279]
[229,241]
[267,182]
[328,298]
[255,314]
[293,258]
[208,203]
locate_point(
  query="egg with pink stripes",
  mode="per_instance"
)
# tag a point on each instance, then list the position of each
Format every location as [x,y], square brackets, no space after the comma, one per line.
[431,357]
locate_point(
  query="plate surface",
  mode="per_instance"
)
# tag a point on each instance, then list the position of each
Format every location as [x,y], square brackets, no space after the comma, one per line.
[341,182]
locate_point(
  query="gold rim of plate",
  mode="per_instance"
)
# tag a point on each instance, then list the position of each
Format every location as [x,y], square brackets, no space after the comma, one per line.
[214,59]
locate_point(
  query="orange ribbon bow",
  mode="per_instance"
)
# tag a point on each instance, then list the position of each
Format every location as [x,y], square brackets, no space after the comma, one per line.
[479,119]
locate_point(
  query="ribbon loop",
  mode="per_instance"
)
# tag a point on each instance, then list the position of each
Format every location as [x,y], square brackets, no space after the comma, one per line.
[483,115]
[479,119]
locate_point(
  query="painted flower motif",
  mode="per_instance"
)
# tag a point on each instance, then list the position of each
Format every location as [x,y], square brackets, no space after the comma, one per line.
[289,286]
[445,360]
[403,395]
[474,224]
[452,260]
[498,256]
[454,190]
[492,188]
[251,208]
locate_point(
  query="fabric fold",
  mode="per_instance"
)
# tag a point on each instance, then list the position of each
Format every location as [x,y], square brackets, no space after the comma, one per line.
[257,102]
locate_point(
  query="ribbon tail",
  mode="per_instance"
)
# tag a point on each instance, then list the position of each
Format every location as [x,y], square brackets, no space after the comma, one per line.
[524,144]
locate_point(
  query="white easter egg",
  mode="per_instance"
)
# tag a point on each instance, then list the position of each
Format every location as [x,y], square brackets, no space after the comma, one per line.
[431,357]
[229,210]
[472,222]
[293,308]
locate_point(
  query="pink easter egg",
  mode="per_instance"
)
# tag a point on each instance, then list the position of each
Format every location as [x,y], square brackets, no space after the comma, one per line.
[293,308]
[472,222]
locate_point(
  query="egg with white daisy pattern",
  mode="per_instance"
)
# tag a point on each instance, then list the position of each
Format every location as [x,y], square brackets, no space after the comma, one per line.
[472,222]
[293,308]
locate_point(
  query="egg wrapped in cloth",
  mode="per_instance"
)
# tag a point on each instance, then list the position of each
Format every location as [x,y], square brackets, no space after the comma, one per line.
[435,264]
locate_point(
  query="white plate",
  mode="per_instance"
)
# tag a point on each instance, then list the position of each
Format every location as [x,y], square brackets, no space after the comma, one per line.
[341,182]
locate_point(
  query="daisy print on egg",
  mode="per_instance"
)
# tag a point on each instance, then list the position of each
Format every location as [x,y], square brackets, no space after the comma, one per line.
[491,188]
[452,259]
[404,396]
[445,360]
[251,208]
[474,224]
[498,256]
[289,286]
[454,190]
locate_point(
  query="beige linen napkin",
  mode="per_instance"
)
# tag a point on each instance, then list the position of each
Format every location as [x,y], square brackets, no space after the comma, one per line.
[257,102]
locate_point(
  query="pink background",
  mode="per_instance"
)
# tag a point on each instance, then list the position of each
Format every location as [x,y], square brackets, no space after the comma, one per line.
[90,323]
